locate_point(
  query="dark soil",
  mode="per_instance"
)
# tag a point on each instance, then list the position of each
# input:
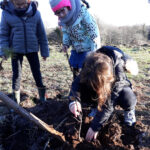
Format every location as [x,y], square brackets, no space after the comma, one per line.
[21,134]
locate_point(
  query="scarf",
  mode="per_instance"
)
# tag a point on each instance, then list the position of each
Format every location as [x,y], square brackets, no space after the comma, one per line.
[72,15]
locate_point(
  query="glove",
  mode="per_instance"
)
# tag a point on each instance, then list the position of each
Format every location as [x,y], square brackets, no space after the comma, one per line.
[75,108]
[91,135]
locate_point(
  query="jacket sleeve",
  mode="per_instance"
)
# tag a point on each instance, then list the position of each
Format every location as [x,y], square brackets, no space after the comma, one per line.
[66,37]
[102,116]
[42,38]
[4,35]
[92,29]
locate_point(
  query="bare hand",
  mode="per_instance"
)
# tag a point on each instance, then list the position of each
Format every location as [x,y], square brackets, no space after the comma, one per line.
[65,48]
[75,108]
[91,135]
[44,58]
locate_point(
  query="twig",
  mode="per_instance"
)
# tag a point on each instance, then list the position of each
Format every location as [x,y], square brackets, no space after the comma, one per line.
[77,119]
[13,134]
[59,125]
[80,117]
[46,144]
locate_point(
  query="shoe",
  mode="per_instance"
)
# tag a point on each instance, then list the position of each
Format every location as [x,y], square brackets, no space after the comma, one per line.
[16,96]
[42,93]
[129,117]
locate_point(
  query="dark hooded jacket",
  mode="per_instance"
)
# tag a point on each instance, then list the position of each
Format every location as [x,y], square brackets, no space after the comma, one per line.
[22,33]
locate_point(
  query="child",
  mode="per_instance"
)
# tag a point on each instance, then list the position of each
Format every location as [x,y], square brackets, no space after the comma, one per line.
[103,83]
[79,30]
[22,32]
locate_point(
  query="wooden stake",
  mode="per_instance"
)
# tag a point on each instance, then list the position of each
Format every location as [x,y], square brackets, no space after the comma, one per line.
[28,115]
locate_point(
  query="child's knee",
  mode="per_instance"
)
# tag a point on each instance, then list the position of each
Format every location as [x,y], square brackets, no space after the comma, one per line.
[128,99]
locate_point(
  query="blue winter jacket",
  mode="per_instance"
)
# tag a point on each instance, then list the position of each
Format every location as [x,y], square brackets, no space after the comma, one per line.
[83,35]
[22,34]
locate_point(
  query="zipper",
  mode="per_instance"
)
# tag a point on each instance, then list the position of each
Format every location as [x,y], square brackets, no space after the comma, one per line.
[25,38]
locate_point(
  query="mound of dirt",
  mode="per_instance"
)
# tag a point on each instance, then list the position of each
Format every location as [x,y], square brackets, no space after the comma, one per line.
[19,133]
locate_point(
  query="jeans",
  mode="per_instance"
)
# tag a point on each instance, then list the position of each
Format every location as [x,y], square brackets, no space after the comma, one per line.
[17,60]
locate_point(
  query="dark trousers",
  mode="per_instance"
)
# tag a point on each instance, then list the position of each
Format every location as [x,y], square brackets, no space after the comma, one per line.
[17,60]
[76,72]
[127,99]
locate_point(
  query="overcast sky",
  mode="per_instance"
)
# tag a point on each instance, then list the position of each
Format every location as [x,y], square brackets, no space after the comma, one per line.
[115,12]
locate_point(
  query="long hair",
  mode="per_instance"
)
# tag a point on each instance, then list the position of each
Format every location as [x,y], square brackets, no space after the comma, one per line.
[97,74]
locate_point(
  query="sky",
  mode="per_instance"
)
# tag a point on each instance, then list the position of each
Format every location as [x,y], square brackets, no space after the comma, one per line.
[114,12]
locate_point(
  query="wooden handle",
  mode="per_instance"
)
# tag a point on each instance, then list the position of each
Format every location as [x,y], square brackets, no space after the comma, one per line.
[10,103]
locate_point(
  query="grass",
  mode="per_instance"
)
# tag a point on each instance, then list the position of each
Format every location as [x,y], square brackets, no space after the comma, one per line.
[57,75]
[143,59]
[55,72]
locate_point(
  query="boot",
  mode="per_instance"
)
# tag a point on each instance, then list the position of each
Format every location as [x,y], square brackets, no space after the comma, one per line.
[16,96]
[42,91]
[129,117]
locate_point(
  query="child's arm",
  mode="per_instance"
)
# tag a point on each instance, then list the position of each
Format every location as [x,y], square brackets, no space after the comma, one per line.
[92,29]
[66,37]
[42,38]
[74,105]
[102,116]
[4,35]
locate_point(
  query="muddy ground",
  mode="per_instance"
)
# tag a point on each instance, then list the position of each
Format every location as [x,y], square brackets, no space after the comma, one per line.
[19,133]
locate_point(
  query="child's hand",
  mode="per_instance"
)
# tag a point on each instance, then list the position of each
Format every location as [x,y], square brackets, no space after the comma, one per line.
[44,58]
[65,48]
[91,135]
[75,108]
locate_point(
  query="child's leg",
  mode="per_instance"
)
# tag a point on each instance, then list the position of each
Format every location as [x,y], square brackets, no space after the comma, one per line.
[35,68]
[127,100]
[16,61]
[76,72]
[16,69]
[33,60]
[76,61]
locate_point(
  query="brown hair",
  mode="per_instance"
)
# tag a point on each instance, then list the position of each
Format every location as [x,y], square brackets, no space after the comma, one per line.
[97,74]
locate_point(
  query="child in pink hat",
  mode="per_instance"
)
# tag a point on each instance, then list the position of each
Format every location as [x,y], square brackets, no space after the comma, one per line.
[79,28]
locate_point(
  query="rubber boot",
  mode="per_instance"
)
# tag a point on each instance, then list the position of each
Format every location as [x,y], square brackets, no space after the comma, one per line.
[42,91]
[16,96]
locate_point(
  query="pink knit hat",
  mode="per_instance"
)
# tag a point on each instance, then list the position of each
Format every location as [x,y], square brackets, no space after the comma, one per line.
[58,4]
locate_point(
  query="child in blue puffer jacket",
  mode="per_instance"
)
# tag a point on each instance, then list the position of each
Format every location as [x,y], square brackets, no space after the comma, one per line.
[79,30]
[22,32]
